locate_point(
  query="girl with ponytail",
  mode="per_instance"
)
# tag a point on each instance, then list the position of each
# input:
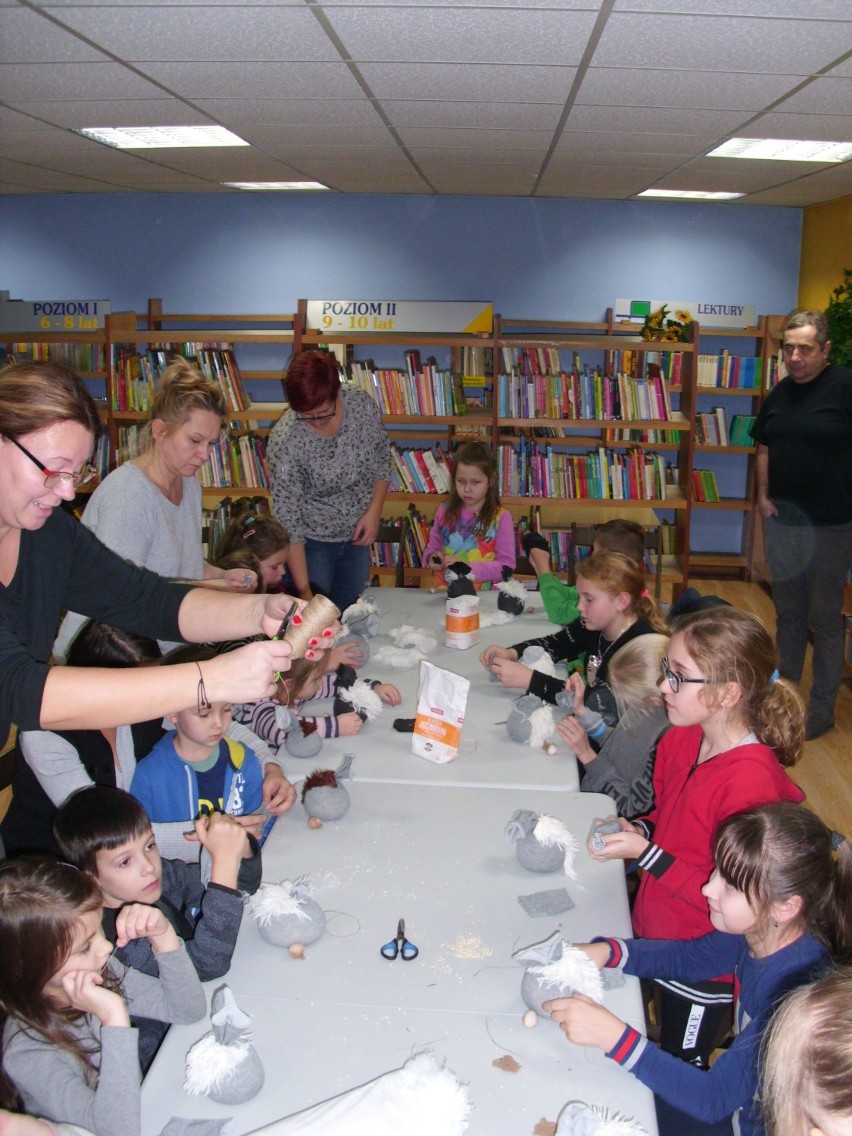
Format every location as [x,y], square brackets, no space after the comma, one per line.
[735,725]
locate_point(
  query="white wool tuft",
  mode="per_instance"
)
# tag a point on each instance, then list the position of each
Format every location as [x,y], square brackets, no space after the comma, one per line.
[401,658]
[543,664]
[616,1124]
[575,970]
[362,697]
[513,588]
[407,636]
[208,1063]
[542,726]
[548,830]
[434,1100]
[495,618]
[271,901]
[358,610]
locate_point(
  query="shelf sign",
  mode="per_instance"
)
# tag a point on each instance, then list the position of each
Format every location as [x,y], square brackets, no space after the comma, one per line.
[52,315]
[384,316]
[708,313]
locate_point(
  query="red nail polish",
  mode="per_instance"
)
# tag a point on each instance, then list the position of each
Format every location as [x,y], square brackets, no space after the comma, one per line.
[327,632]
[297,618]
[313,642]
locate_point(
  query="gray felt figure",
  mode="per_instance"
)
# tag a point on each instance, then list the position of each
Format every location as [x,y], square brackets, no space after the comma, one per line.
[302,739]
[531,722]
[323,795]
[459,580]
[512,596]
[542,843]
[362,618]
[224,1065]
[602,829]
[580,1119]
[552,902]
[556,969]
[537,659]
[286,914]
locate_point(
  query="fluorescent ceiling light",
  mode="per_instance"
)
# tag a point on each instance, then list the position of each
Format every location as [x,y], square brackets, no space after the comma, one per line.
[161,137]
[783,150]
[691,194]
[270,185]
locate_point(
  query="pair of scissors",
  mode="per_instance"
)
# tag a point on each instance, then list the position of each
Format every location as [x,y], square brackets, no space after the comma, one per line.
[399,945]
[282,630]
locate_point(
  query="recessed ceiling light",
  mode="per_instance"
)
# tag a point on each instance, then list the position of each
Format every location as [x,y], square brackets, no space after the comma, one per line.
[275,185]
[691,194]
[783,150]
[161,137]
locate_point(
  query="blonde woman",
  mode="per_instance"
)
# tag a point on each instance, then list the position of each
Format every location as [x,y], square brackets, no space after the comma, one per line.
[149,509]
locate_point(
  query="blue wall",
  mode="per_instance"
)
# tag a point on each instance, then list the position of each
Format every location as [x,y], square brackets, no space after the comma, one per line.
[541,259]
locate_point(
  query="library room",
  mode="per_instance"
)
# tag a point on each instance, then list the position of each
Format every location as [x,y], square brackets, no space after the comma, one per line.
[456,395]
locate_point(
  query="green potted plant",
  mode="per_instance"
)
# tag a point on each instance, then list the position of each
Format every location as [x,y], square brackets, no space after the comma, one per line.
[839,316]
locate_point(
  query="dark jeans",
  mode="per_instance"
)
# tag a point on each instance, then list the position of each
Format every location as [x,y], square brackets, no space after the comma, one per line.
[338,568]
[809,566]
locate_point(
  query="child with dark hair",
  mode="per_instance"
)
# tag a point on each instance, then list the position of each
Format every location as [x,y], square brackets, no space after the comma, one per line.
[473,527]
[780,907]
[254,537]
[69,1051]
[197,768]
[107,833]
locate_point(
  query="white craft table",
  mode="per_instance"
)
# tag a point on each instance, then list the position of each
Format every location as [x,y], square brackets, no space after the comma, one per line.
[486,756]
[437,856]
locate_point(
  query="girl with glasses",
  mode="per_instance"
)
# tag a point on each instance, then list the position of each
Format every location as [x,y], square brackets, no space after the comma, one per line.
[736,724]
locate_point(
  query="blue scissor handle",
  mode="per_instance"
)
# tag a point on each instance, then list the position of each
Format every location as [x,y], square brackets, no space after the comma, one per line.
[399,945]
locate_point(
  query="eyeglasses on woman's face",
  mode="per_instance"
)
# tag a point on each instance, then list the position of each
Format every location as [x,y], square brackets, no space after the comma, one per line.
[318,419]
[674,679]
[54,477]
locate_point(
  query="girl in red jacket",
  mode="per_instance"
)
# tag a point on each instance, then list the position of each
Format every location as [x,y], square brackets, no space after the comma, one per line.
[735,724]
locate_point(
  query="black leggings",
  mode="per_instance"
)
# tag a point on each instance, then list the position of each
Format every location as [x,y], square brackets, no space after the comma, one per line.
[691,1028]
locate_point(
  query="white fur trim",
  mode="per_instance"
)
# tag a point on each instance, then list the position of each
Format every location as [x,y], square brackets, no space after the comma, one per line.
[271,901]
[548,830]
[542,726]
[401,658]
[574,969]
[513,588]
[361,696]
[208,1063]
[407,636]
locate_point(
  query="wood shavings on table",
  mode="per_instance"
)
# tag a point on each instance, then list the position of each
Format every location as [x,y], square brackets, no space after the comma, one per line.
[507,1063]
[470,947]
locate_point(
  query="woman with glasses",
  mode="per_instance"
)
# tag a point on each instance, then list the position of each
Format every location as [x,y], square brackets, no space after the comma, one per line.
[329,464]
[148,510]
[735,726]
[49,562]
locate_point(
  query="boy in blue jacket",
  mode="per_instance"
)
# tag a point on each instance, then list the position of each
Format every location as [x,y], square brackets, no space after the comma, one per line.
[106,832]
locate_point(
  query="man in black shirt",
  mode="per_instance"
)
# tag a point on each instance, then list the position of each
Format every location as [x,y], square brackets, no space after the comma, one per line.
[804,494]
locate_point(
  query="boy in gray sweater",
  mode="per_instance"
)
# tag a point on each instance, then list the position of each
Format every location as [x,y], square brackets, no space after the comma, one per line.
[107,833]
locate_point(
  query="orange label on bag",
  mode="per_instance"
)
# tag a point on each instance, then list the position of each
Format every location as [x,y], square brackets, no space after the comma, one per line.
[437,730]
[458,624]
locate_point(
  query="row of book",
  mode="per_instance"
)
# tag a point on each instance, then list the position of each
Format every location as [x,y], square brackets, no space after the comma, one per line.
[417,470]
[583,395]
[135,373]
[78,356]
[600,474]
[668,364]
[704,486]
[711,428]
[428,391]
[237,461]
[736,372]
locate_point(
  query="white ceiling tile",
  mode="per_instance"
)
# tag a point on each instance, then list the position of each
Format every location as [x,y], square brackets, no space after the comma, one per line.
[191,34]
[476,82]
[127,112]
[482,184]
[306,112]
[475,141]
[525,162]
[474,115]
[768,9]
[625,143]
[655,120]
[821,96]
[303,155]
[260,80]
[30,38]
[813,127]
[591,181]
[332,137]
[29,82]
[644,165]
[463,35]
[716,43]
[610,86]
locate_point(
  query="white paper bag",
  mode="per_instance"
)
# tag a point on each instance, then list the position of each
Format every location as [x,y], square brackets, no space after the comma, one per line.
[441,702]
